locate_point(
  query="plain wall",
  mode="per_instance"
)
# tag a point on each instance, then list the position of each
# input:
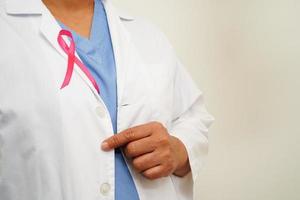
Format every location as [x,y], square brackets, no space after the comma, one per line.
[245,56]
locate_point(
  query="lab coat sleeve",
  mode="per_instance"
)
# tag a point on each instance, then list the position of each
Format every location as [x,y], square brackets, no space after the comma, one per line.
[190,119]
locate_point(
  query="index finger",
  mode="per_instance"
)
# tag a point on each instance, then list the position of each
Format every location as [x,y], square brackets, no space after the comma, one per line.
[125,137]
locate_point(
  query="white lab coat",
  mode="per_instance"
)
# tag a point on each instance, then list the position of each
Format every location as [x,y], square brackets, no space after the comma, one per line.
[50,138]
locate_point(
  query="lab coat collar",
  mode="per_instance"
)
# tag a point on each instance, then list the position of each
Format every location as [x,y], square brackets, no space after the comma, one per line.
[19,7]
[35,7]
[50,29]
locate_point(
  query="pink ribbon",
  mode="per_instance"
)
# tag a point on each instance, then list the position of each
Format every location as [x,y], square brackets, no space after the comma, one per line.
[72,59]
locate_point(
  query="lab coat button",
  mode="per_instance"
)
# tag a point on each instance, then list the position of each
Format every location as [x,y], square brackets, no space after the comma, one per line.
[100,111]
[105,188]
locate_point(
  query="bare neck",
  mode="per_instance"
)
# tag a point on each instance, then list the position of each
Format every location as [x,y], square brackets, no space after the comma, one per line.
[76,14]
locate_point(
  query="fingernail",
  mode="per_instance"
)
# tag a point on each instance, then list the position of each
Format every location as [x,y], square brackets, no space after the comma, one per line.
[105,146]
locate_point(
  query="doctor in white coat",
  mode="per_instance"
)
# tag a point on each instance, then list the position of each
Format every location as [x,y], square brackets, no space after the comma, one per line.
[58,143]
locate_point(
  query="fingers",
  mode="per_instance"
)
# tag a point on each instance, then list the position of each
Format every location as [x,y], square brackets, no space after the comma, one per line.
[125,137]
[152,166]
[153,150]
[139,147]
[156,172]
[145,162]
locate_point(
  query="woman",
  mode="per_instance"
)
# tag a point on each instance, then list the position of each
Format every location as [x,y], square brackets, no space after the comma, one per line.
[94,105]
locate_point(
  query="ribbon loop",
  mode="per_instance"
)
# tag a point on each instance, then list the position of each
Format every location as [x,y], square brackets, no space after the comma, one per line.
[72,59]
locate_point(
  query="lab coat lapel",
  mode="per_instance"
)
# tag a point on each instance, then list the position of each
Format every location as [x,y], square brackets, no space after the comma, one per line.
[50,30]
[124,58]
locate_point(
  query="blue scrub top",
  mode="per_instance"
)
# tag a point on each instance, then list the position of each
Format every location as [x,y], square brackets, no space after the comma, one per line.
[97,54]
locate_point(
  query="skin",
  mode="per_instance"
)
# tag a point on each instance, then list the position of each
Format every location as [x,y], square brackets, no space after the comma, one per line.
[153,151]
[76,14]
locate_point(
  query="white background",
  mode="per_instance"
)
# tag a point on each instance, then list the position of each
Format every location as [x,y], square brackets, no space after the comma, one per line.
[245,56]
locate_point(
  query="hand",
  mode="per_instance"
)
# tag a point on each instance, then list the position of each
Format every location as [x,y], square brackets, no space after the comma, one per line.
[153,151]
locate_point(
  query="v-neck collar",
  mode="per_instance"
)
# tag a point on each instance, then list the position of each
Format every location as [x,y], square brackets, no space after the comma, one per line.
[96,37]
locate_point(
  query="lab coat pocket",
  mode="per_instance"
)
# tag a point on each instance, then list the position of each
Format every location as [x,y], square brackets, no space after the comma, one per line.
[135,105]
[134,114]
[147,96]
[161,93]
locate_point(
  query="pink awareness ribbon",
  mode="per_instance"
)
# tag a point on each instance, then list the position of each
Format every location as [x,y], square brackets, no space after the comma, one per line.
[72,59]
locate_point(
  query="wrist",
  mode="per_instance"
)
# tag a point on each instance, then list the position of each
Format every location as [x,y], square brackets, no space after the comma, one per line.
[183,166]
